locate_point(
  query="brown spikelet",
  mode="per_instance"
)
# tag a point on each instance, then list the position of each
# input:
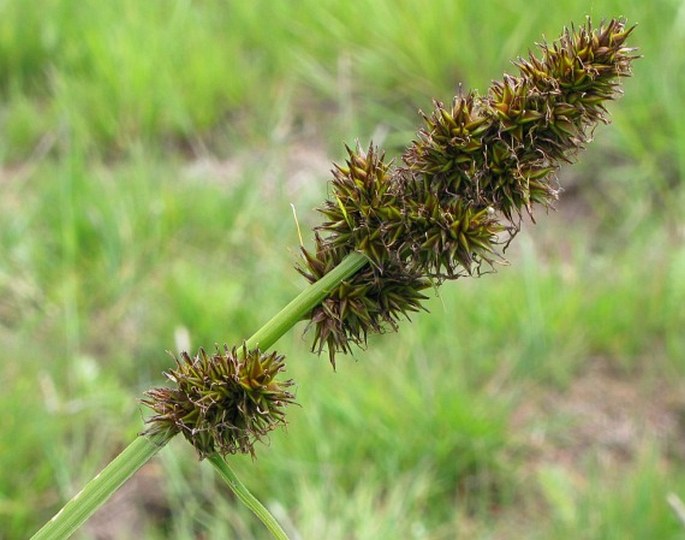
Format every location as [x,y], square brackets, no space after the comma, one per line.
[223,403]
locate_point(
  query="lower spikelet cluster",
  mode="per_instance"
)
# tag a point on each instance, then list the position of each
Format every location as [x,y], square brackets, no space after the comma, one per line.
[457,200]
[223,403]
[366,303]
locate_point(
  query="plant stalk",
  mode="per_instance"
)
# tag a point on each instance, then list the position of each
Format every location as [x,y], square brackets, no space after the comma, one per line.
[246,497]
[304,302]
[99,489]
[140,451]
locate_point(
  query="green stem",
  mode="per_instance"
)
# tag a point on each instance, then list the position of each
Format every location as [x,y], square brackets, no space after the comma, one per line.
[246,497]
[303,303]
[100,488]
[139,452]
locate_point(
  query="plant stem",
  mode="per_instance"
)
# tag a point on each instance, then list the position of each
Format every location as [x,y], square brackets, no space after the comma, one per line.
[100,488]
[303,303]
[246,497]
[139,452]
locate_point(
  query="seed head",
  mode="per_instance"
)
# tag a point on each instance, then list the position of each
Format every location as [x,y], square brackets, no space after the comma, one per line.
[475,167]
[363,210]
[223,403]
[368,302]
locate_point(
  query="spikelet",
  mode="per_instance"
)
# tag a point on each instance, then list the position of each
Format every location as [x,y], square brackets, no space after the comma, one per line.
[223,403]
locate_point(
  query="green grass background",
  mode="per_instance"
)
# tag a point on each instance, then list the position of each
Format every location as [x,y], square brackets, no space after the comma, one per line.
[149,154]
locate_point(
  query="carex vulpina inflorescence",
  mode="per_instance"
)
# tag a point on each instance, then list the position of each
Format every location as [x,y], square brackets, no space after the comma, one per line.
[447,210]
[457,198]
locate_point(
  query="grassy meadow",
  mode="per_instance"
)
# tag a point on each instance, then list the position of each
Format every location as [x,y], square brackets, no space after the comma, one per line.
[150,153]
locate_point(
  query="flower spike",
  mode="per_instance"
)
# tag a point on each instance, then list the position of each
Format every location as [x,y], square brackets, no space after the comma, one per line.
[223,403]
[457,201]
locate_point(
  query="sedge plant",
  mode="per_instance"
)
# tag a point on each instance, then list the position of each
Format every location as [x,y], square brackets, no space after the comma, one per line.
[447,209]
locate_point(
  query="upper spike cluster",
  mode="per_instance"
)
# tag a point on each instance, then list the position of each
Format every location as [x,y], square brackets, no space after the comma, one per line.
[458,198]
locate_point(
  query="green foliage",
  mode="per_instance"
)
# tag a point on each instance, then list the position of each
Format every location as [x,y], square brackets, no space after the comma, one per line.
[632,506]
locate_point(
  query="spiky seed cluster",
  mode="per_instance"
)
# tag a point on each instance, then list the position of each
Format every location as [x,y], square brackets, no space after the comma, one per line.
[470,150]
[368,302]
[223,403]
[448,237]
[475,167]
[501,150]
[364,210]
